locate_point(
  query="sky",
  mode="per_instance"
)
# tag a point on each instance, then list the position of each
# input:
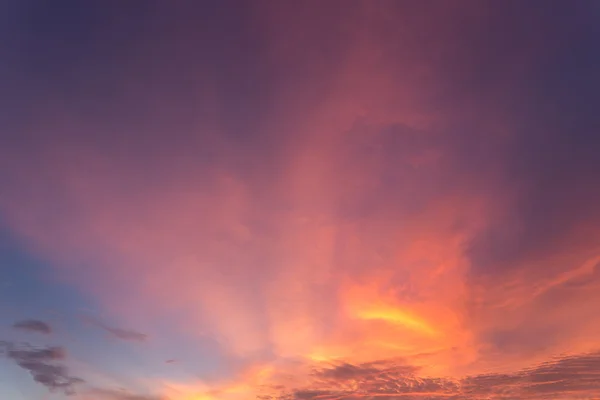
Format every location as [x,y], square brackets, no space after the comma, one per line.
[300,200]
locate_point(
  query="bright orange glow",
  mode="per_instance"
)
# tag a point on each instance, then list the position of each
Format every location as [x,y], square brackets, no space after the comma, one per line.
[395,316]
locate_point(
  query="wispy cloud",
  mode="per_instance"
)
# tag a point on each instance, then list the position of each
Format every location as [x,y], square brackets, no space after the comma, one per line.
[126,334]
[119,333]
[33,326]
[44,365]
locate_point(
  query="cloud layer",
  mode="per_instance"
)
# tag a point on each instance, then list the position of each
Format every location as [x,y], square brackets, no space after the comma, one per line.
[400,181]
[572,377]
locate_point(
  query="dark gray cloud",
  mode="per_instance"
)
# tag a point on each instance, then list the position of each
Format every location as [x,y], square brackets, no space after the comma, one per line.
[126,334]
[342,372]
[570,377]
[43,363]
[371,380]
[119,333]
[39,354]
[33,326]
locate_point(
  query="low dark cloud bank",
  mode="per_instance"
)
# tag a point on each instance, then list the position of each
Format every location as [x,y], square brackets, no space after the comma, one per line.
[572,377]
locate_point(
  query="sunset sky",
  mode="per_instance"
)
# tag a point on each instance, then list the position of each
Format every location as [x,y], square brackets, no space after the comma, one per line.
[300,200]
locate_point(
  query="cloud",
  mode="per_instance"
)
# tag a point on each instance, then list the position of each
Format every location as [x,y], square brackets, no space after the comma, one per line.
[45,366]
[384,378]
[575,376]
[42,364]
[112,394]
[33,326]
[119,333]
[44,354]
[345,371]
[560,378]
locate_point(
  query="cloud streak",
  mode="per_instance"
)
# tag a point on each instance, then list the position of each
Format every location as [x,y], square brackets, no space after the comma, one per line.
[119,333]
[44,365]
[33,325]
